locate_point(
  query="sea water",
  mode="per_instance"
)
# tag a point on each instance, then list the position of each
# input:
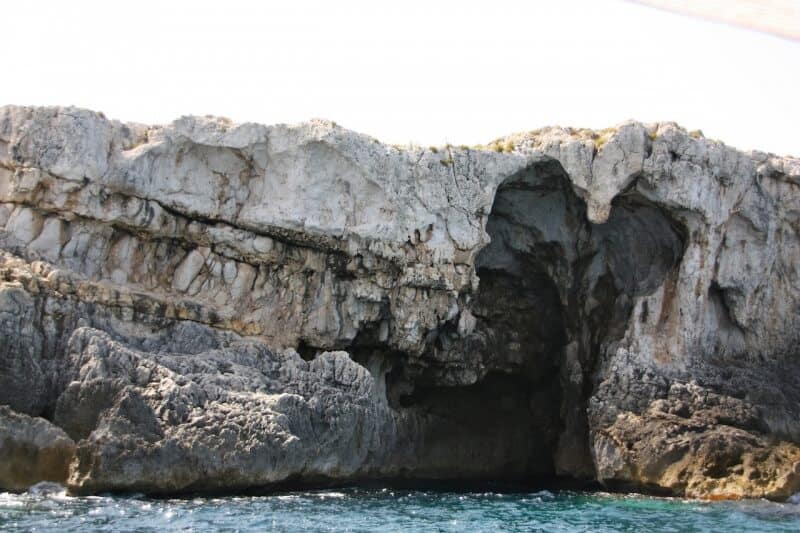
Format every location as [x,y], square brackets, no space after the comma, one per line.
[392,510]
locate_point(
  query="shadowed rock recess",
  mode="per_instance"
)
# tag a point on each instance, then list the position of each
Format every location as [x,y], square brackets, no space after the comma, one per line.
[209,306]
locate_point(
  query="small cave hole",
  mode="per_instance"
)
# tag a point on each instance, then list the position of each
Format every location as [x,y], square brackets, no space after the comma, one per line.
[307,352]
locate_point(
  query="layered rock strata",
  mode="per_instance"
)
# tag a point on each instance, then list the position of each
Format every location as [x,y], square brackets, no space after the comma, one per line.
[209,306]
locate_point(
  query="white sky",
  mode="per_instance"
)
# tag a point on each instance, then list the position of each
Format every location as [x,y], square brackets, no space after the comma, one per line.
[429,72]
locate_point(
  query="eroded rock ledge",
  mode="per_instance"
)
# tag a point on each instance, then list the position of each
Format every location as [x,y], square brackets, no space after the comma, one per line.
[222,307]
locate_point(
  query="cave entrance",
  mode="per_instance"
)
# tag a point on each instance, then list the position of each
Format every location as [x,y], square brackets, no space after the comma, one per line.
[523,320]
[506,424]
[555,291]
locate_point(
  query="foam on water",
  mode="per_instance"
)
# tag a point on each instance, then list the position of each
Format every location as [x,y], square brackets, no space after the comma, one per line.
[391,510]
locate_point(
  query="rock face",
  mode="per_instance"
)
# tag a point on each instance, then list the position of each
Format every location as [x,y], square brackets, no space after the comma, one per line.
[218,306]
[32,450]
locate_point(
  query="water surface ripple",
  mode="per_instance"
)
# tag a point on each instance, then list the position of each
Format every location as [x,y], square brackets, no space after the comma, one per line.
[359,509]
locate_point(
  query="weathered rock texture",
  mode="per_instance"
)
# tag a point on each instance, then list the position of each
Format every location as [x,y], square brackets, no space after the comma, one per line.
[32,450]
[213,306]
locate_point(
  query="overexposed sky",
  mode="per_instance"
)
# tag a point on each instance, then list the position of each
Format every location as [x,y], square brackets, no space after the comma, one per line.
[423,71]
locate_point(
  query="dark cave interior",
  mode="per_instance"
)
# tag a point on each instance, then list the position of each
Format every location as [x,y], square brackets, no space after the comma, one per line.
[555,290]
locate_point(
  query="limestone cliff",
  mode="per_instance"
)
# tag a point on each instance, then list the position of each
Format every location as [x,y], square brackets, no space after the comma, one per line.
[219,306]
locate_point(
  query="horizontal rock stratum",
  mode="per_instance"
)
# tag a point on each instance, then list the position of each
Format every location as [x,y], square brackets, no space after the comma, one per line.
[210,306]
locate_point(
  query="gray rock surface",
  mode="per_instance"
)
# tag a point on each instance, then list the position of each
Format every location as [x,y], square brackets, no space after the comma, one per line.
[32,450]
[217,306]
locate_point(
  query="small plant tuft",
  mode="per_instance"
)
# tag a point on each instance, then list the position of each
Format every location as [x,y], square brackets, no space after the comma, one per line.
[603,137]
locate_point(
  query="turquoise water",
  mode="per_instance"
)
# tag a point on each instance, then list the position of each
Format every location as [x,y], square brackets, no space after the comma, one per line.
[392,510]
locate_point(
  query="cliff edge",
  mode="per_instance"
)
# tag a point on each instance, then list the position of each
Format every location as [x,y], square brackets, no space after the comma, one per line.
[210,306]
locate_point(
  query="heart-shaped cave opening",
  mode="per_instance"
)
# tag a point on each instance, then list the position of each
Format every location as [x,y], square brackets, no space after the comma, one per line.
[508,400]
